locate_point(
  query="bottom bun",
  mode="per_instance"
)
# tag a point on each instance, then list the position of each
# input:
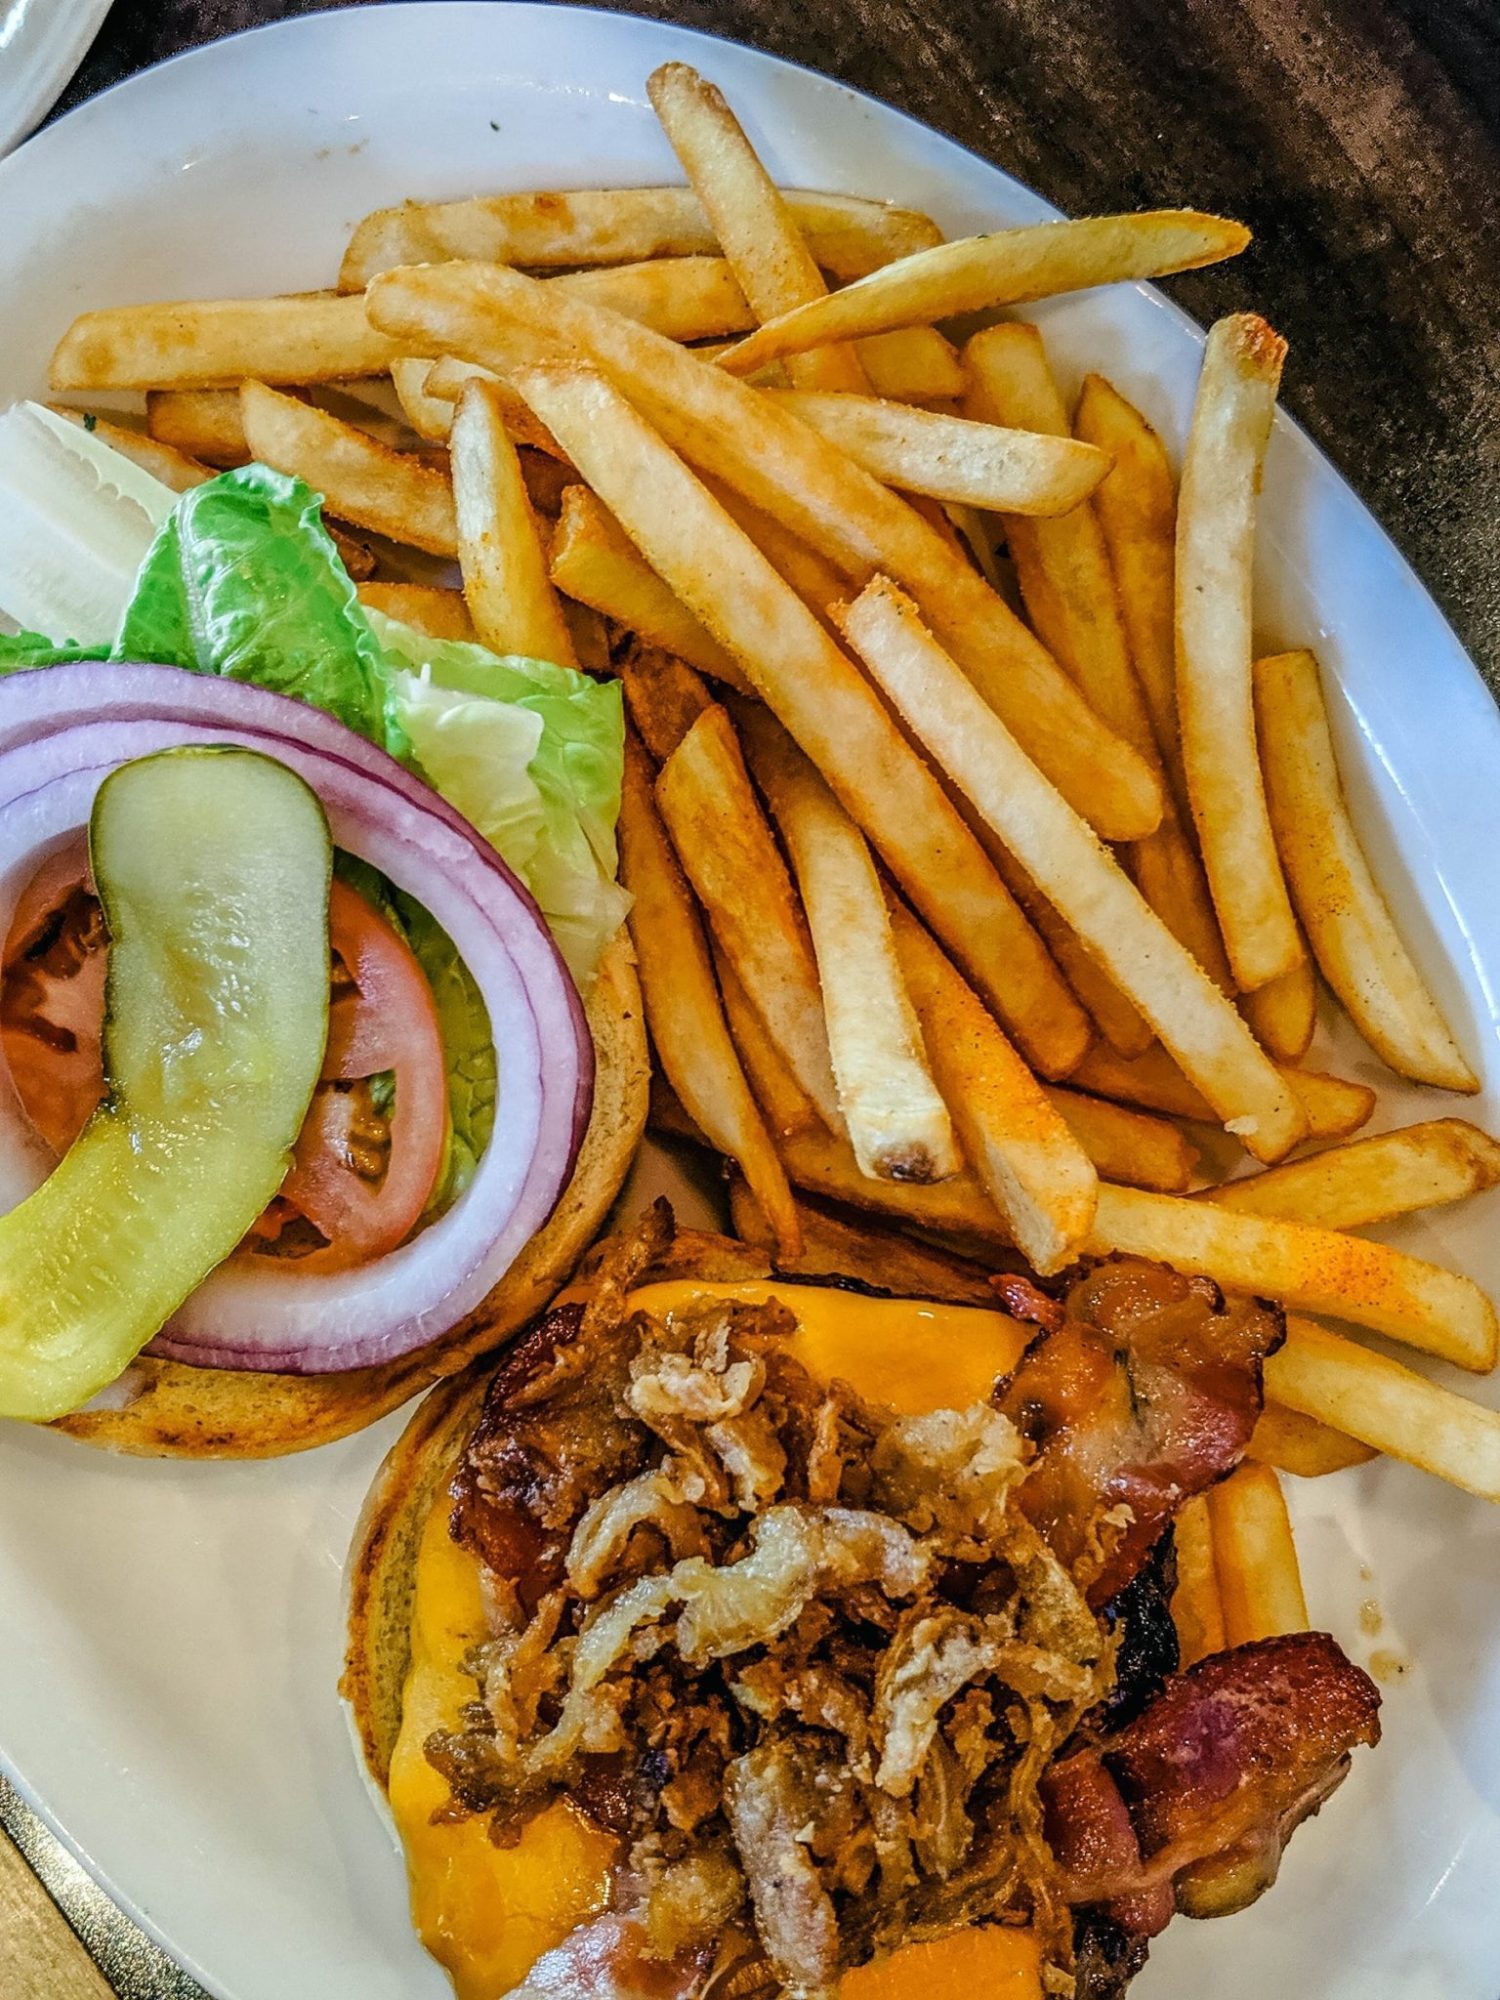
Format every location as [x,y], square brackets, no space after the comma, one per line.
[167,1410]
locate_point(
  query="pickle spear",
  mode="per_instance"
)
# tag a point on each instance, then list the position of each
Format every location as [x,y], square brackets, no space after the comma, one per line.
[212,867]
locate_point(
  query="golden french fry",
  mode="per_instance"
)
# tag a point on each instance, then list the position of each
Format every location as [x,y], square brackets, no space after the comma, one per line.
[1006,267]
[1284,1012]
[204,423]
[814,489]
[1127,1146]
[730,856]
[1372,1180]
[448,378]
[429,416]
[1307,1268]
[686,298]
[1069,586]
[1011,471]
[750,216]
[1255,1557]
[440,614]
[1083,882]
[916,365]
[1302,1445]
[221,342]
[664,696]
[362,481]
[1348,922]
[506,585]
[1137,509]
[848,236]
[821,698]
[1021,1149]
[834,1248]
[1387,1407]
[1231,428]
[897,1121]
[165,462]
[1197,1609]
[787,1106]
[595,561]
[823,1164]
[1333,1107]
[812,576]
[682,1002]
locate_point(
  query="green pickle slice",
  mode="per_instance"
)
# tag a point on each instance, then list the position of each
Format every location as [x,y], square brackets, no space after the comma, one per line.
[212,866]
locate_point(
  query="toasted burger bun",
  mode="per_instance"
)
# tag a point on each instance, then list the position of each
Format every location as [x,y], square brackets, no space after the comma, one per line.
[167,1410]
[395,1535]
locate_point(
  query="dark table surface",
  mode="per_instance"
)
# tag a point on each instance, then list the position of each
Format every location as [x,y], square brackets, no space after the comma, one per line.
[1359,138]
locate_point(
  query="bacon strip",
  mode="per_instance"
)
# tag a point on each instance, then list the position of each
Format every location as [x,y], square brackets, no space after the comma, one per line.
[1145,1395]
[1198,1796]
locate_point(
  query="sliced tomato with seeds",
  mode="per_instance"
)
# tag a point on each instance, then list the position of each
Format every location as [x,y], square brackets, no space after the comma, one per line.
[373,1142]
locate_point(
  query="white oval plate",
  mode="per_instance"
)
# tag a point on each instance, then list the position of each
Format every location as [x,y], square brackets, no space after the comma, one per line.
[170,1636]
[42,42]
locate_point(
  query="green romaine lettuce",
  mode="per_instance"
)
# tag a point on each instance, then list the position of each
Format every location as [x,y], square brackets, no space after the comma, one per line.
[244,580]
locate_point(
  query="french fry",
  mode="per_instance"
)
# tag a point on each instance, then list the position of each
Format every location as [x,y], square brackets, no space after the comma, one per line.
[1348,923]
[812,576]
[448,378]
[595,561]
[787,1107]
[848,236]
[1231,428]
[1372,1180]
[1007,267]
[1283,1013]
[1070,868]
[440,614]
[204,423]
[429,416]
[367,483]
[894,1113]
[664,696]
[1127,1146]
[1137,509]
[506,585]
[788,471]
[1302,1445]
[1307,1268]
[682,1002]
[686,298]
[1387,1407]
[750,216]
[163,461]
[221,342]
[1255,1557]
[833,1248]
[1067,580]
[1197,1609]
[1022,1151]
[916,365]
[1334,1107]
[1010,471]
[820,697]
[823,1164]
[730,856]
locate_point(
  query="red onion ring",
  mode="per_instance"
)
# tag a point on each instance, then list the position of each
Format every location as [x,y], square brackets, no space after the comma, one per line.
[52,761]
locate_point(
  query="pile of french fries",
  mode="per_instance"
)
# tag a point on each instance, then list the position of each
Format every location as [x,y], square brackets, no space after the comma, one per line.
[980,869]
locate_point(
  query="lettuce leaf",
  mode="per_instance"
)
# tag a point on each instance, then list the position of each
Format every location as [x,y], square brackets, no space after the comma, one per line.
[552,816]
[243,580]
[20,650]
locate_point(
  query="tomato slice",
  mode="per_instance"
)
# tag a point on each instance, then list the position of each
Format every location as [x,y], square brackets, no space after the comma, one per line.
[372,1145]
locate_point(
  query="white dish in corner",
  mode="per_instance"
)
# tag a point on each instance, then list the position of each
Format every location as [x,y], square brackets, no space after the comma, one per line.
[171,1638]
[42,42]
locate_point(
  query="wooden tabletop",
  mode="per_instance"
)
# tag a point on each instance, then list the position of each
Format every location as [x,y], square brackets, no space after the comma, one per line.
[1359,138]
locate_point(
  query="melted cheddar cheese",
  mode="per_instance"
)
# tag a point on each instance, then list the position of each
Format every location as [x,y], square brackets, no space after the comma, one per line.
[487,1913]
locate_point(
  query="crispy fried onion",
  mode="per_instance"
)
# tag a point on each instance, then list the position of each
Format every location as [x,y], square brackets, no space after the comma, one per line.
[805,1656]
